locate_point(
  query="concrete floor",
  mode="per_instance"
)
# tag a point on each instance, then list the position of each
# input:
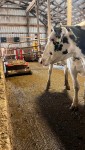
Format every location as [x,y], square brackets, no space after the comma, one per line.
[42,120]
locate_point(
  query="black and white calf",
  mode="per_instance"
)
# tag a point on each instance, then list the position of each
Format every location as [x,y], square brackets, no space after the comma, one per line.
[64,43]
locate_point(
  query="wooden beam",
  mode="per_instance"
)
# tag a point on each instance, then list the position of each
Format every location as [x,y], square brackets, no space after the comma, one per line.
[12,8]
[11,2]
[49,17]
[21,33]
[27,16]
[31,5]
[39,19]
[18,25]
[37,14]
[12,24]
[12,15]
[69,12]
[2,3]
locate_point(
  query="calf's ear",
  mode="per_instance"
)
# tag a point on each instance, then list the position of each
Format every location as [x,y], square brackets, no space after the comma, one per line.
[57,31]
[68,29]
[54,28]
[61,24]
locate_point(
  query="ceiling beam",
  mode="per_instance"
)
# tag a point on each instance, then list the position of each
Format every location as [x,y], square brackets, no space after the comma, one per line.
[2,3]
[39,18]
[31,5]
[11,2]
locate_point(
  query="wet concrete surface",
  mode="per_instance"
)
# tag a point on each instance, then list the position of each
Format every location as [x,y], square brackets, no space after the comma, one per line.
[42,120]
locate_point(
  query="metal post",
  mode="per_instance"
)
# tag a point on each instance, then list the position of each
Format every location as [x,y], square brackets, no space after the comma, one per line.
[69,12]
[49,17]
[37,14]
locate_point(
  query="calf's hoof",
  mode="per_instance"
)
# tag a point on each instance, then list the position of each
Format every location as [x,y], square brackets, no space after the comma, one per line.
[67,87]
[74,108]
[48,86]
[47,89]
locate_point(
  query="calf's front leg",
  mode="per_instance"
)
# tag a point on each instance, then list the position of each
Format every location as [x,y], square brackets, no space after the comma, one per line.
[66,84]
[49,76]
[84,94]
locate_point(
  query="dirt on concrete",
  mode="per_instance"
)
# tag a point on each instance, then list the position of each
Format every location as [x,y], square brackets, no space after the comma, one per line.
[42,120]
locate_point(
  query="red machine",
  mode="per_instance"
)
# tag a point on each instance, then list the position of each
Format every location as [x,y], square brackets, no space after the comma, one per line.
[19,54]
[14,64]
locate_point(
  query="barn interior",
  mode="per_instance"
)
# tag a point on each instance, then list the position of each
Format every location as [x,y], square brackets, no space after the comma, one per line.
[32,118]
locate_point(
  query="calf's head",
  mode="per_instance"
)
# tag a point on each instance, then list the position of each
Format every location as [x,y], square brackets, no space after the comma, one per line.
[56,47]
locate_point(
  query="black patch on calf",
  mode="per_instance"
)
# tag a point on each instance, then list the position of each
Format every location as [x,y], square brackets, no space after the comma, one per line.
[50,53]
[79,39]
[60,47]
[65,40]
[72,37]
[56,46]
[65,52]
[57,42]
[76,58]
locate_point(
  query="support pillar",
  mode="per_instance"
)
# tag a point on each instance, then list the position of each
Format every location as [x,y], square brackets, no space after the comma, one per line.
[49,17]
[69,12]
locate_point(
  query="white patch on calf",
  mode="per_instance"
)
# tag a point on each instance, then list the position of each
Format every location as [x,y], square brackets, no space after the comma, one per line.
[46,58]
[52,36]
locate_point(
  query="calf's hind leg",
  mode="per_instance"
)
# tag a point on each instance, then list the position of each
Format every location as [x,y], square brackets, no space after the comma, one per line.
[76,88]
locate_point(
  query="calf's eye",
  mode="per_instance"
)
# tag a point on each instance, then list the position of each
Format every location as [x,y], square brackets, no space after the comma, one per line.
[50,53]
[52,40]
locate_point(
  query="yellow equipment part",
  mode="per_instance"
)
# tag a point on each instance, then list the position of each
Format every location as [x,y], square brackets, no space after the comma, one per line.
[35,46]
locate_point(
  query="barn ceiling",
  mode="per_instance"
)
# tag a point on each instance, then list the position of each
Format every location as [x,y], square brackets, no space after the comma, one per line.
[58,9]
